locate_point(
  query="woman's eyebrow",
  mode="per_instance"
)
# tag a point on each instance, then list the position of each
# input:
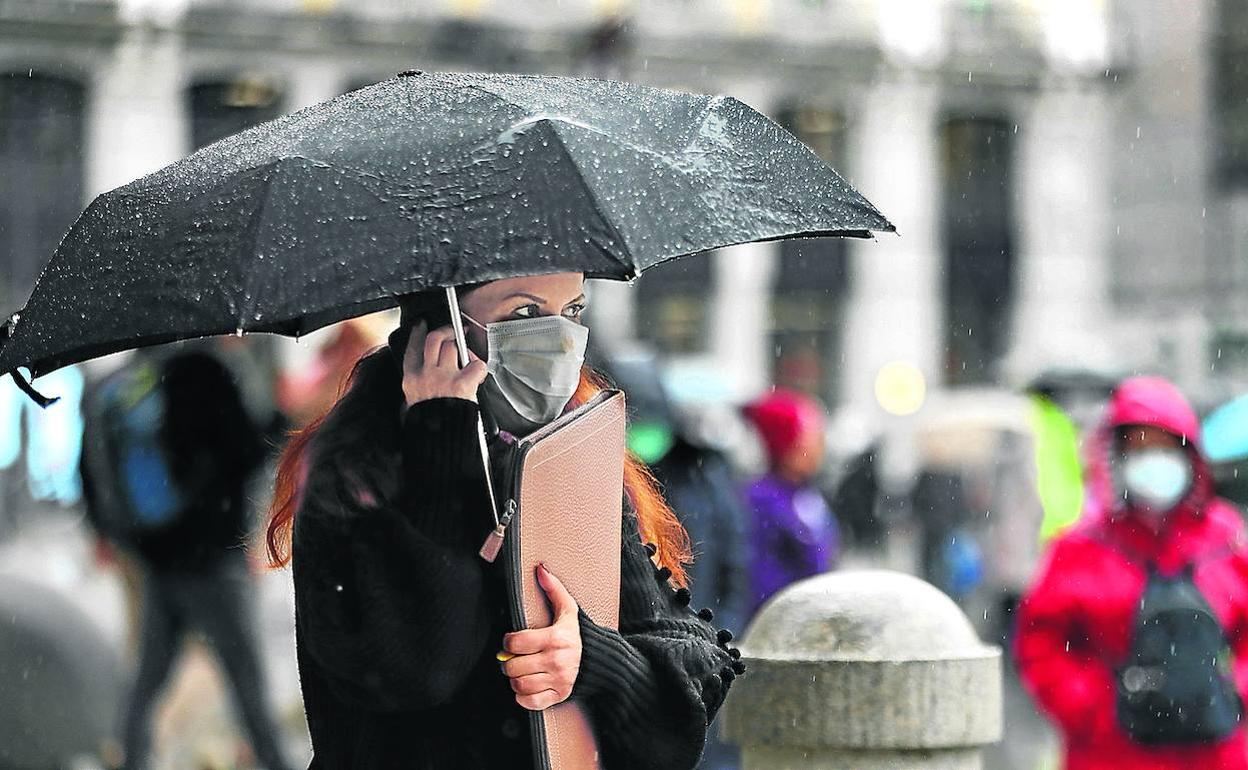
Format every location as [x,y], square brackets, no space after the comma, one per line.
[526,295]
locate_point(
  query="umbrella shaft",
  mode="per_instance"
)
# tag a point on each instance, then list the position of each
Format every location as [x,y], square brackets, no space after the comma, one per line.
[461,345]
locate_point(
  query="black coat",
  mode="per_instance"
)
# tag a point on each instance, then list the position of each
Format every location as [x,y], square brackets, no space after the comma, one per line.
[398,619]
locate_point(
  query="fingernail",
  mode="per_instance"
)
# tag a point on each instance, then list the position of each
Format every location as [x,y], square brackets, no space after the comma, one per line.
[502,656]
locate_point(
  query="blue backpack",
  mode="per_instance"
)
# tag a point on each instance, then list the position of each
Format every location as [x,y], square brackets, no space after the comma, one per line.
[134,409]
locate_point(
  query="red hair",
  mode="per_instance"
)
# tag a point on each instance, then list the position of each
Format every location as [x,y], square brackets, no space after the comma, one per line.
[656,520]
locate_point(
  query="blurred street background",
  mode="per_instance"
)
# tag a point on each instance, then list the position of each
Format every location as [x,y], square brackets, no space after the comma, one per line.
[1069,181]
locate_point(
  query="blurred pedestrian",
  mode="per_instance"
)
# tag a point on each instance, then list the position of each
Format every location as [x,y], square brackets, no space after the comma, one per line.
[855,501]
[697,480]
[309,390]
[793,533]
[171,449]
[951,558]
[1059,472]
[1133,637]
[699,484]
[382,509]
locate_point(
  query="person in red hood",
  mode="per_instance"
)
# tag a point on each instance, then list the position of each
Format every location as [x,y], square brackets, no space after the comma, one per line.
[1143,512]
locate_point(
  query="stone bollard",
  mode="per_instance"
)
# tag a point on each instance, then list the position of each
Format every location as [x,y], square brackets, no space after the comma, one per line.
[868,670]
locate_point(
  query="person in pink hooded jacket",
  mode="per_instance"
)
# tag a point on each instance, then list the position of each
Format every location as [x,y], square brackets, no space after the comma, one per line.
[1151,523]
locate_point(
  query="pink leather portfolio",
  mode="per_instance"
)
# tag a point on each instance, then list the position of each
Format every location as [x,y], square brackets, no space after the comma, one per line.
[566,496]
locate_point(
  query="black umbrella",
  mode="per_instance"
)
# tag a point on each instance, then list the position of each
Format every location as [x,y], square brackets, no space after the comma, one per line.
[421,181]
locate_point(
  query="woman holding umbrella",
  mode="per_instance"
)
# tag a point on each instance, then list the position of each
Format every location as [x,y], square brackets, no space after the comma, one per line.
[402,627]
[418,183]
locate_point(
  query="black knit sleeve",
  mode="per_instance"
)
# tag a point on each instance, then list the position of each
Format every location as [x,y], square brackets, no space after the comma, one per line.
[388,586]
[653,687]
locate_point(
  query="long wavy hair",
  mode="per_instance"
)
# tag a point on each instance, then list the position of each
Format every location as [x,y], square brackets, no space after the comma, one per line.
[656,520]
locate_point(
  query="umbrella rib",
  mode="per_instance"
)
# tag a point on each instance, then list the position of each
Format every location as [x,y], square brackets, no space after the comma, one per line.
[628,264]
[248,299]
[498,96]
[668,160]
[536,118]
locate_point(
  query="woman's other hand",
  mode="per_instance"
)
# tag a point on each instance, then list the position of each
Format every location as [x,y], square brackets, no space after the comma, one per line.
[546,660]
[431,367]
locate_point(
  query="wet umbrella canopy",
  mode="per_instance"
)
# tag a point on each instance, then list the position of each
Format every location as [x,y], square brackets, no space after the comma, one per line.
[421,181]
[1225,431]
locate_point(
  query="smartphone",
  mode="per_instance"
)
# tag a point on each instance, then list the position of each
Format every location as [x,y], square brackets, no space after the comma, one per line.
[461,345]
[457,323]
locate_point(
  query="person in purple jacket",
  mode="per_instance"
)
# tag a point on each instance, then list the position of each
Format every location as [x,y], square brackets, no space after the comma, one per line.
[793,532]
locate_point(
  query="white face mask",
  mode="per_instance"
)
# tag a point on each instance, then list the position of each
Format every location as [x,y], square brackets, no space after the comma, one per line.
[535,367]
[1156,480]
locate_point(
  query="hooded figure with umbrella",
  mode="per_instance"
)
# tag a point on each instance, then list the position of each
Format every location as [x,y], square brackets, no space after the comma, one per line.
[515,190]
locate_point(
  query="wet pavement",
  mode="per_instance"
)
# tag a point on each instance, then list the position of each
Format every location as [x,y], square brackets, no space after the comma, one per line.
[195,728]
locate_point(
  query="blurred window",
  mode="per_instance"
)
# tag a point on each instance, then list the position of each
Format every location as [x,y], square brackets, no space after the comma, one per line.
[811,281]
[1230,78]
[221,108]
[41,185]
[673,305]
[978,223]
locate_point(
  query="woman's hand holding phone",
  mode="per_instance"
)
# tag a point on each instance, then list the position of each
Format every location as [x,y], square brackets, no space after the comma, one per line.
[431,367]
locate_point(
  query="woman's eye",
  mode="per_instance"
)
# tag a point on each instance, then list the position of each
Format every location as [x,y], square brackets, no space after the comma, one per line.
[574,311]
[527,311]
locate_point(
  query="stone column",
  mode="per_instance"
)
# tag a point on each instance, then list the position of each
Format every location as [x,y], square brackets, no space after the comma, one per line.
[741,316]
[736,364]
[136,112]
[613,305]
[1062,290]
[137,119]
[894,307]
[312,80]
[741,298]
[865,670]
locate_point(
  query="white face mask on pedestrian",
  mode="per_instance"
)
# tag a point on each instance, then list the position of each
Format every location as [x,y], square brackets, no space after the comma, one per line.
[1156,480]
[535,367]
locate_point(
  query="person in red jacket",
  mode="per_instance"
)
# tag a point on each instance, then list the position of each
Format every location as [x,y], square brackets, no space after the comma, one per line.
[1077,626]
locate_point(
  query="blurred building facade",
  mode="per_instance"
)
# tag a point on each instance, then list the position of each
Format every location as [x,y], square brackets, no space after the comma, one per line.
[1047,164]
